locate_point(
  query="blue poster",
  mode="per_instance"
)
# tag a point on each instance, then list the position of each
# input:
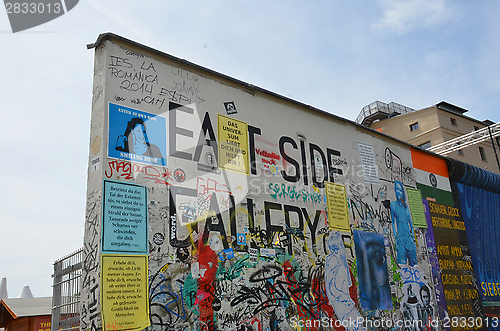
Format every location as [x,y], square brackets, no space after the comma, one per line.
[371,262]
[125,218]
[481,215]
[137,136]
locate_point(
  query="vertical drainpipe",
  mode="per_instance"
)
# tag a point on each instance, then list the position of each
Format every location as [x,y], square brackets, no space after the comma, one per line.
[494,149]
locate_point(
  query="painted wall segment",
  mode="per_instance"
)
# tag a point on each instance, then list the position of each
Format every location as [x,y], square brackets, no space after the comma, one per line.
[456,286]
[249,241]
[482,218]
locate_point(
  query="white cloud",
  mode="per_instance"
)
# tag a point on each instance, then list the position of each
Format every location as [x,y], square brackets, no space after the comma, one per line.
[402,16]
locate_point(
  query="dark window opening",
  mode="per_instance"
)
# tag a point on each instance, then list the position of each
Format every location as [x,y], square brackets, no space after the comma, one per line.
[482,153]
[425,145]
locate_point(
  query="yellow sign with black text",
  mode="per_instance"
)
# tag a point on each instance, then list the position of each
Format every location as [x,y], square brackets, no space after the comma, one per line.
[336,199]
[124,292]
[232,135]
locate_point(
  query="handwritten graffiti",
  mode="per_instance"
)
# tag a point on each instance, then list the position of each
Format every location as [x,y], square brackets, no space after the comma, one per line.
[205,188]
[271,287]
[366,212]
[411,275]
[129,170]
[184,89]
[293,194]
[166,300]
[407,174]
[90,308]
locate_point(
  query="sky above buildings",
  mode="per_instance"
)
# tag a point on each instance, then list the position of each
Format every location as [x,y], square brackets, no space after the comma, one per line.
[337,56]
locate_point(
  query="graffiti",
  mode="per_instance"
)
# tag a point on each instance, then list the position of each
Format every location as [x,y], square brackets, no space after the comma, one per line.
[166,304]
[338,281]
[357,190]
[290,192]
[366,212]
[186,86]
[273,287]
[231,319]
[411,275]
[90,265]
[127,170]
[90,308]
[205,188]
[407,174]
[393,162]
[91,245]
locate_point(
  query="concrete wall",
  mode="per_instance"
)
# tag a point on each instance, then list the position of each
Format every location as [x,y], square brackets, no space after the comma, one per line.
[230,214]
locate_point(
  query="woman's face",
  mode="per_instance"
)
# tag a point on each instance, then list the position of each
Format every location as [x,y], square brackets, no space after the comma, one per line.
[138,132]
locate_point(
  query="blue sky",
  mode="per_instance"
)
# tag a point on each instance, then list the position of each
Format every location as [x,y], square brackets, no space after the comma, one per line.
[334,55]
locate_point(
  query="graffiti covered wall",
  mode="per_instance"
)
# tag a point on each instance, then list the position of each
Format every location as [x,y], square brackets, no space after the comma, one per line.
[215,205]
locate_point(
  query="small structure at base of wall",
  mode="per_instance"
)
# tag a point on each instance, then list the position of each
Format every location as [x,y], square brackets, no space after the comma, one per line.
[27,314]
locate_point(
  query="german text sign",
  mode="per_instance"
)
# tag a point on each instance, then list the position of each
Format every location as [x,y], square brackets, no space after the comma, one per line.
[124,296]
[336,199]
[125,222]
[233,144]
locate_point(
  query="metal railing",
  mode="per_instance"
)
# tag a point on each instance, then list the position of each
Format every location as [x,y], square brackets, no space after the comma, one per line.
[66,292]
[379,109]
[466,140]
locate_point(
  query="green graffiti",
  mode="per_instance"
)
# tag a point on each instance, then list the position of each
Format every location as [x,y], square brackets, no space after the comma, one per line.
[291,192]
[233,270]
[190,290]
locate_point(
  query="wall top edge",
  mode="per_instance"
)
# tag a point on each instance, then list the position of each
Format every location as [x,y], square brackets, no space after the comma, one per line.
[109,36]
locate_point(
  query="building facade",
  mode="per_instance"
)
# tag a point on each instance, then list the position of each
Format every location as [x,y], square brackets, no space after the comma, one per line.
[431,126]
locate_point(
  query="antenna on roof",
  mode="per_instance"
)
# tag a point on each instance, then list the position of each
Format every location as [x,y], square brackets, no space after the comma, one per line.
[3,289]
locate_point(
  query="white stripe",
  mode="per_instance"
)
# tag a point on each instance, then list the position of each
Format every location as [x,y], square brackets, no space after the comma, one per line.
[423,177]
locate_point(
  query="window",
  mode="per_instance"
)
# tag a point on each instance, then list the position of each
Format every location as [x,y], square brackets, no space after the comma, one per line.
[425,145]
[460,151]
[414,126]
[453,122]
[482,153]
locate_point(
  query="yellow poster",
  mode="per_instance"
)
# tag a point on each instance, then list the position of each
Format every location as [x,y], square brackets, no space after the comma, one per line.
[233,144]
[416,207]
[336,199]
[124,292]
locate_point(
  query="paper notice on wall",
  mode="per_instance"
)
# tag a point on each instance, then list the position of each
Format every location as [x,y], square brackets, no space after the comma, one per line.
[368,163]
[416,207]
[137,136]
[94,164]
[253,255]
[125,221]
[268,252]
[232,135]
[124,292]
[336,200]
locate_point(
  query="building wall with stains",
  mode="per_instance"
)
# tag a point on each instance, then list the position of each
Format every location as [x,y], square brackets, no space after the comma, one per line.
[238,233]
